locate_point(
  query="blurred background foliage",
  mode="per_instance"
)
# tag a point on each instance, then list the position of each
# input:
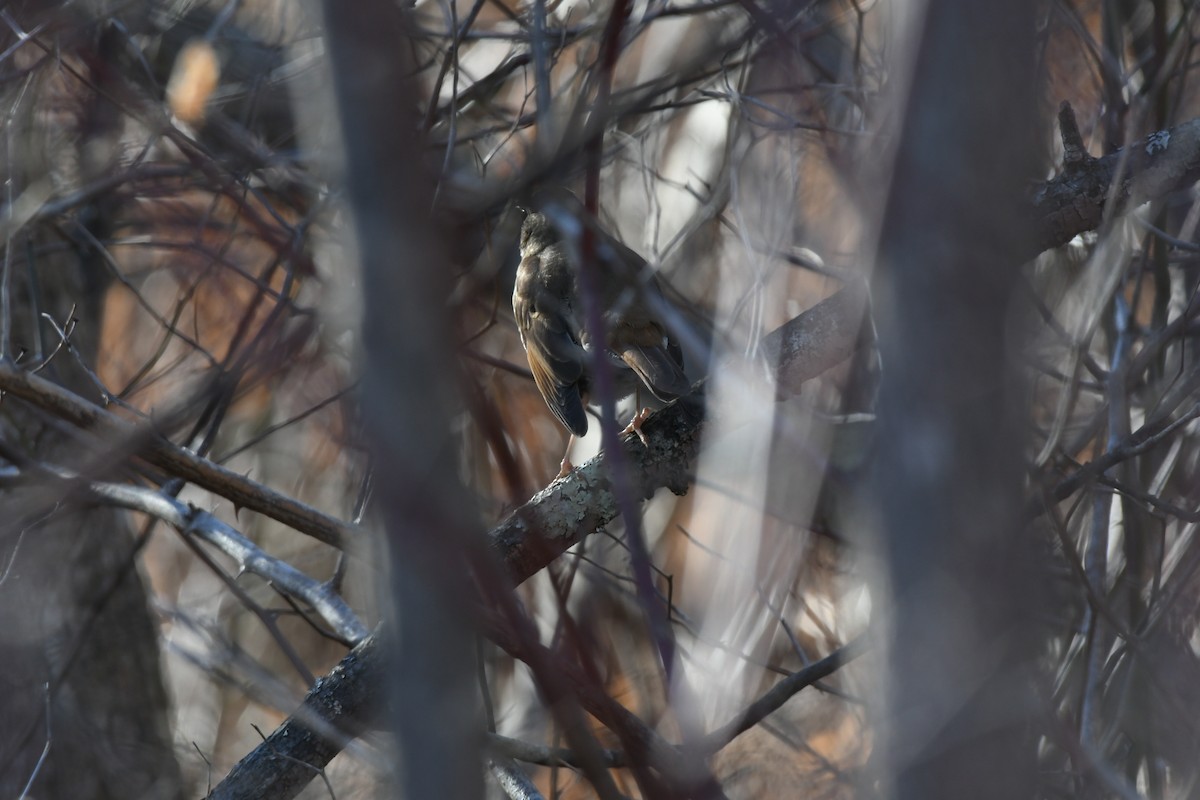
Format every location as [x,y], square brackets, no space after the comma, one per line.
[176,253]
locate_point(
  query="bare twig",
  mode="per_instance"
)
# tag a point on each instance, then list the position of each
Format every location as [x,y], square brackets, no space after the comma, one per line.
[177,461]
[780,693]
[547,756]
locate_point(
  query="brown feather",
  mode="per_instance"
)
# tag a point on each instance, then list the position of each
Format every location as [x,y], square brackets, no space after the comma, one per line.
[662,376]
[544,303]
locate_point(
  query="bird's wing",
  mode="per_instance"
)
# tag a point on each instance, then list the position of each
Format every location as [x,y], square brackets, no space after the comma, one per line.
[556,358]
[658,370]
[645,347]
[634,331]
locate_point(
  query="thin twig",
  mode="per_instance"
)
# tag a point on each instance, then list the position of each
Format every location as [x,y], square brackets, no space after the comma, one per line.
[177,461]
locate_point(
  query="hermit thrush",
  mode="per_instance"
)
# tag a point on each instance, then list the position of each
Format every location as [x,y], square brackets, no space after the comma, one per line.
[550,318]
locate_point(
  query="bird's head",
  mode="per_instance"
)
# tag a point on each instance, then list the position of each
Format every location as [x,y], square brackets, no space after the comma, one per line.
[537,233]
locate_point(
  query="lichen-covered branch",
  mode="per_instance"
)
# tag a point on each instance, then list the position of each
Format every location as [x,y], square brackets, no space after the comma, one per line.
[1090,189]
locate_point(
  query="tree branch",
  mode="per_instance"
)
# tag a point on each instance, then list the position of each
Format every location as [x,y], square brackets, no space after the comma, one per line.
[249,556]
[774,698]
[1091,189]
[342,706]
[178,461]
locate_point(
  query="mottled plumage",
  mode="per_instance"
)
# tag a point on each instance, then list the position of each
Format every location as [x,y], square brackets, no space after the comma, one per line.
[550,319]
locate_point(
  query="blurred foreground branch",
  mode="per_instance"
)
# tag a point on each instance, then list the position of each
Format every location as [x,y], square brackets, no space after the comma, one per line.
[961,578]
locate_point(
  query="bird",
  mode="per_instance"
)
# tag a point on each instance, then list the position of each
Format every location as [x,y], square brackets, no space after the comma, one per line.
[549,316]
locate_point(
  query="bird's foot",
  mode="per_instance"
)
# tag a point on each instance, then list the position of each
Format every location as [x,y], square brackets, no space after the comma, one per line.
[635,425]
[565,468]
